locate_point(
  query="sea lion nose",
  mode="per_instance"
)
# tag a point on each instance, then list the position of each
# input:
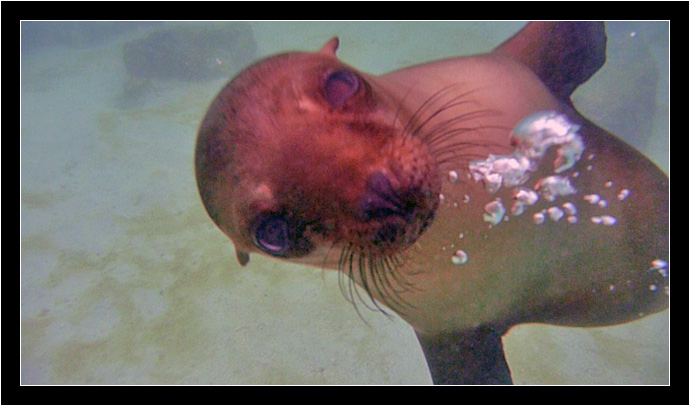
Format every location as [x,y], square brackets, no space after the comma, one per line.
[379,199]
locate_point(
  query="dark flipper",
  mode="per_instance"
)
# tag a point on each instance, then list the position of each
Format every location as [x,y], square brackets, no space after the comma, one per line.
[468,357]
[563,54]
[242,257]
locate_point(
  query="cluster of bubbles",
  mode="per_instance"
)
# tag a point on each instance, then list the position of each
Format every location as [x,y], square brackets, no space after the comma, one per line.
[533,136]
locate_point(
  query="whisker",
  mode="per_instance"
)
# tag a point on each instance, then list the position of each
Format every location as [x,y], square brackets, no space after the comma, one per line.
[422,108]
[448,138]
[428,105]
[342,265]
[393,298]
[380,289]
[448,128]
[353,287]
[364,280]
[397,112]
[447,107]
[378,276]
[447,123]
[394,263]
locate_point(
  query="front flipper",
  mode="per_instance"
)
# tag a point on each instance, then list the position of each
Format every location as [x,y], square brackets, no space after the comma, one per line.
[564,54]
[467,357]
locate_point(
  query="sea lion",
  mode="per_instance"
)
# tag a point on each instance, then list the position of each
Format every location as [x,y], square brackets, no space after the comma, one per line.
[467,195]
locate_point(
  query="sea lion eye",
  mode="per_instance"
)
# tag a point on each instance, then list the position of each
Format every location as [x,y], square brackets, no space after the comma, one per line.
[340,86]
[271,234]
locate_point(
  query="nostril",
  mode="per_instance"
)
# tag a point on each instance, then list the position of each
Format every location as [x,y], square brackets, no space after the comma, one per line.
[379,184]
[379,199]
[373,206]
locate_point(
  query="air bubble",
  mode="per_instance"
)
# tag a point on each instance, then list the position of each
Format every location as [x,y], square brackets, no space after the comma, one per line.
[538,132]
[494,212]
[555,213]
[659,264]
[592,199]
[452,176]
[569,208]
[526,196]
[539,218]
[533,136]
[605,220]
[499,170]
[523,197]
[623,194]
[608,220]
[459,258]
[517,208]
[554,186]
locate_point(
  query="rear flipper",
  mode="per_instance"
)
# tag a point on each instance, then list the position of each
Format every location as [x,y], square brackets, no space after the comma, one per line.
[467,357]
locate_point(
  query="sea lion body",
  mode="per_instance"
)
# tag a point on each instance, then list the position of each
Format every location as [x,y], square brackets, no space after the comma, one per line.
[304,158]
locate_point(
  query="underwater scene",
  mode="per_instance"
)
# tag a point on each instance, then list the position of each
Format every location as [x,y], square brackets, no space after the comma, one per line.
[126,280]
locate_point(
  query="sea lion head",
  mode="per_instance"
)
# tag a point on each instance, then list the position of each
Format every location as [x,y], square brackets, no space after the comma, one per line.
[300,156]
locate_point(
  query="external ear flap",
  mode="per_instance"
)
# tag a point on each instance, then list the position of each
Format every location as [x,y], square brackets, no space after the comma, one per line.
[330,47]
[242,257]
